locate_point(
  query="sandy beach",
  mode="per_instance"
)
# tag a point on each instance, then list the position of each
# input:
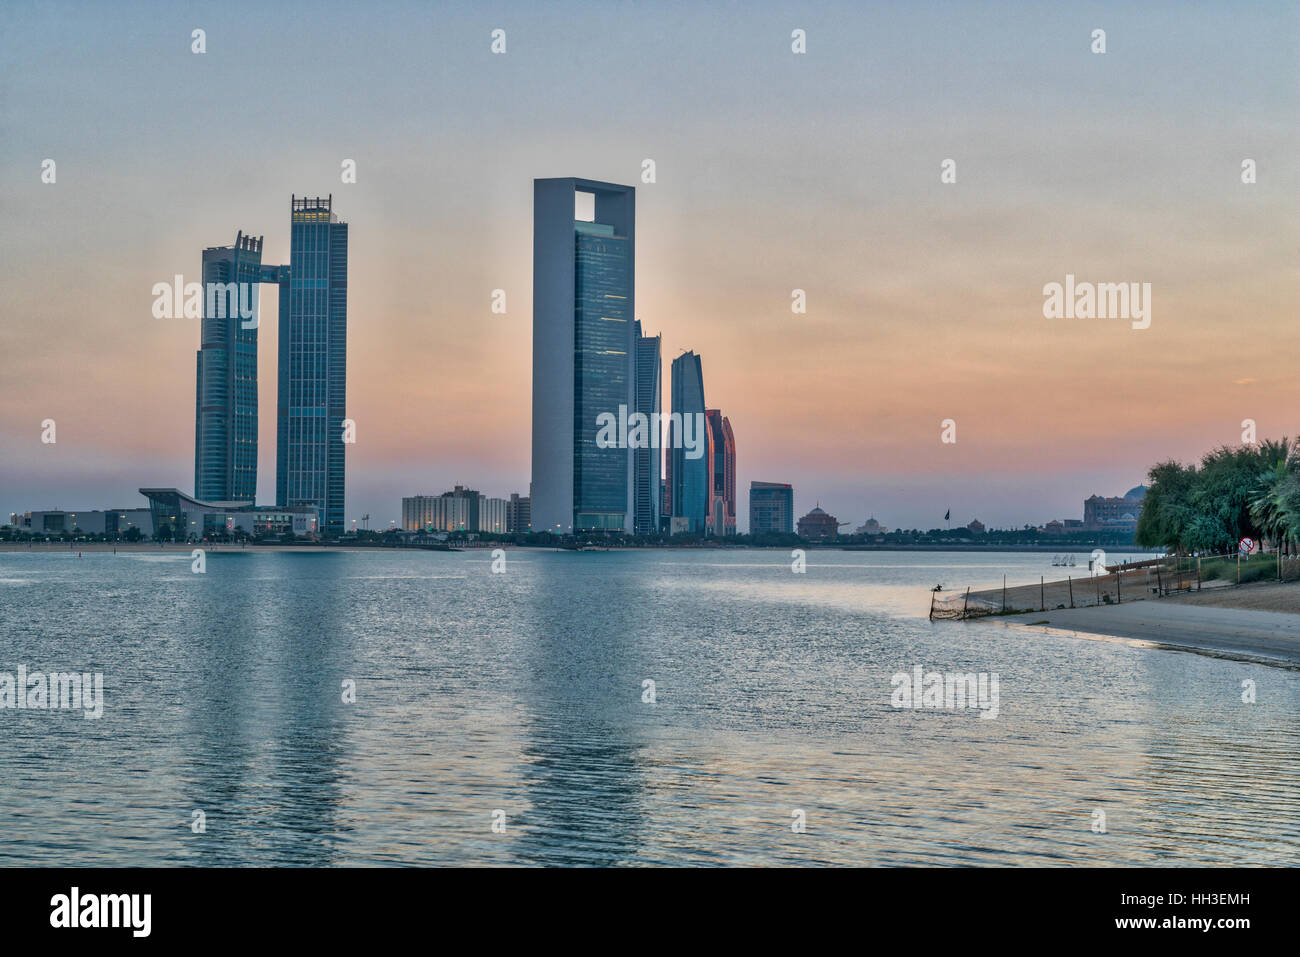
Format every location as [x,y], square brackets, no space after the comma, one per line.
[1259,623]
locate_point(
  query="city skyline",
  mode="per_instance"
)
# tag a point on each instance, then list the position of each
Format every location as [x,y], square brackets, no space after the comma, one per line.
[924,299]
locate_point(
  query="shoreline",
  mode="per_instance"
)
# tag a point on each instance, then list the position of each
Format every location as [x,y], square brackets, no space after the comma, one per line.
[11,546]
[1252,623]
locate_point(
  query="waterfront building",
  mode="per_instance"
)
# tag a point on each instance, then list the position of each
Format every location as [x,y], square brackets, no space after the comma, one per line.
[460,510]
[692,482]
[225,404]
[584,302]
[870,527]
[421,512]
[1120,513]
[113,522]
[493,515]
[312,388]
[818,526]
[722,468]
[519,514]
[647,462]
[183,518]
[771,508]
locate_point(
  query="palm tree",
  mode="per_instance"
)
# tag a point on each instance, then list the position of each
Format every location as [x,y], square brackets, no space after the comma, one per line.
[1275,503]
[1288,503]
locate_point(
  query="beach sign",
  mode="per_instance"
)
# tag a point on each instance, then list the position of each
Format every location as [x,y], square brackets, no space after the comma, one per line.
[1247,546]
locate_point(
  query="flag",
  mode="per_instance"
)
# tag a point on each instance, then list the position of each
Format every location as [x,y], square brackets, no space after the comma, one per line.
[947,515]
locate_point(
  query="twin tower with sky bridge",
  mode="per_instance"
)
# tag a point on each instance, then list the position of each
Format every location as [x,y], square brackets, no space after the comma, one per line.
[311,368]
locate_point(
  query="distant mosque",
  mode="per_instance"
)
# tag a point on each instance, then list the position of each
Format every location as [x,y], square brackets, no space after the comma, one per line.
[817,526]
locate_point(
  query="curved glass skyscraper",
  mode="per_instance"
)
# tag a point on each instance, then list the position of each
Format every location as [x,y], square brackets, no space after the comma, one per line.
[692,478]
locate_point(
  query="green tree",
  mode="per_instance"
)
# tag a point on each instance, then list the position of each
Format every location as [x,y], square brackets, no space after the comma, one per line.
[1279,486]
[1167,510]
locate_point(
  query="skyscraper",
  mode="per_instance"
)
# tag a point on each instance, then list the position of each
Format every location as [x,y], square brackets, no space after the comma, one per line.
[729,487]
[583,346]
[691,482]
[311,404]
[722,474]
[225,405]
[647,463]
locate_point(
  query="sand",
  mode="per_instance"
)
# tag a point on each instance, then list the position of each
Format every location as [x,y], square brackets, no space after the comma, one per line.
[1259,623]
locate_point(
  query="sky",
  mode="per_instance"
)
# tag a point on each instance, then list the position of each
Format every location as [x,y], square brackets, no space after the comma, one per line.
[775,171]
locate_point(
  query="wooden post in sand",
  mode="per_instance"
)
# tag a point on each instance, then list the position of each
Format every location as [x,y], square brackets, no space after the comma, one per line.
[1042,593]
[1004,593]
[965,603]
[1119,595]
[1070,581]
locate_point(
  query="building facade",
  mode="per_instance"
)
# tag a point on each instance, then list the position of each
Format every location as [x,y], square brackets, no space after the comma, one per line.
[584,300]
[692,482]
[519,514]
[460,510]
[493,515]
[771,508]
[818,526]
[722,518]
[647,463]
[871,527]
[225,403]
[1119,512]
[312,388]
[113,522]
[182,518]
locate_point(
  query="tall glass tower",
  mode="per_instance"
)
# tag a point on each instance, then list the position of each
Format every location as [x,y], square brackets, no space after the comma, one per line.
[583,347]
[225,402]
[722,474]
[647,463]
[312,388]
[691,477]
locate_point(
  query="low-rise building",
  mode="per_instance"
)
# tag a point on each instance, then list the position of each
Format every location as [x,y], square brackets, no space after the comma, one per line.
[183,518]
[113,522]
[818,526]
[871,527]
[1116,512]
